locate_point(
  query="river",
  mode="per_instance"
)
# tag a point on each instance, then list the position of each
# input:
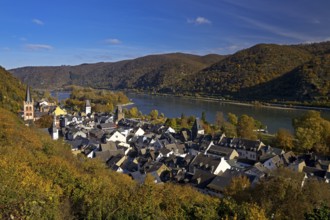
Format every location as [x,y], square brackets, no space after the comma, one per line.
[171,106]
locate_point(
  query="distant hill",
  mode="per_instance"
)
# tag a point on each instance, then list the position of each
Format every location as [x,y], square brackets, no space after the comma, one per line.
[12,91]
[149,72]
[266,72]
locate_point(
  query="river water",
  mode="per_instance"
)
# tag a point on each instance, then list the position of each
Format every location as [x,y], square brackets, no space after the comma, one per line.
[171,106]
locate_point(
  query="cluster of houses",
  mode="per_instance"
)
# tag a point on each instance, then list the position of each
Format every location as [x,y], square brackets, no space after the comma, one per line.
[138,148]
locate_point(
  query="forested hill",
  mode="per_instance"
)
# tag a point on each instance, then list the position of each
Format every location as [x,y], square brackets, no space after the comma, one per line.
[154,71]
[12,91]
[267,72]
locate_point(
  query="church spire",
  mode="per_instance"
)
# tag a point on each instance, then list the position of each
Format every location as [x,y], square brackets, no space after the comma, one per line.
[28,95]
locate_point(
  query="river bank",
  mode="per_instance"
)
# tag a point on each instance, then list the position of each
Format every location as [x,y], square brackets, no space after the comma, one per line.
[256,104]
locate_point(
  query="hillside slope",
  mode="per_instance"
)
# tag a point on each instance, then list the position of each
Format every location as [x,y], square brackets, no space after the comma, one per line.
[12,91]
[247,68]
[147,72]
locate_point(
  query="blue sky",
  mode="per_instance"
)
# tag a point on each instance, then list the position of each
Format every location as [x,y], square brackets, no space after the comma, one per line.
[41,33]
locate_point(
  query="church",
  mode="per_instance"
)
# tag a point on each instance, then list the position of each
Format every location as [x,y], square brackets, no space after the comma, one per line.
[28,106]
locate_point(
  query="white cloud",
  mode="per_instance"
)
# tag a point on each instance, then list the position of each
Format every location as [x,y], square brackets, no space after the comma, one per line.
[315,21]
[275,30]
[112,41]
[199,20]
[38,47]
[37,21]
[6,49]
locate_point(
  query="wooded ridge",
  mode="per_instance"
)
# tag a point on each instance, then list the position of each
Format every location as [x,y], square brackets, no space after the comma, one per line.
[265,72]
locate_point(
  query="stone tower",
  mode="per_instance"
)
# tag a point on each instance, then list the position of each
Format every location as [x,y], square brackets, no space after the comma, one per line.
[88,108]
[197,129]
[28,106]
[119,114]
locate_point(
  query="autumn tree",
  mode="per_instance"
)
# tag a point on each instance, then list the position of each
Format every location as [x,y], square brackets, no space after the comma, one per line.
[283,196]
[232,118]
[284,139]
[133,112]
[184,121]
[171,122]
[45,121]
[153,114]
[203,118]
[312,132]
[237,187]
[246,127]
[219,119]
[229,129]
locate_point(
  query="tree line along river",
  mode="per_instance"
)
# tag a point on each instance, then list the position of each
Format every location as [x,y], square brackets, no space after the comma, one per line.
[172,106]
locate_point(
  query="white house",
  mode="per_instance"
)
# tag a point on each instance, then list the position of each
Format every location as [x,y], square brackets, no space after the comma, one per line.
[170,130]
[117,136]
[139,132]
[208,163]
[222,167]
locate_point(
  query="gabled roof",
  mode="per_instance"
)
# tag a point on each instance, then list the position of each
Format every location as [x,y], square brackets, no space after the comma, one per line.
[204,162]
[257,170]
[202,178]
[221,151]
[164,151]
[240,143]
[314,172]
[129,166]
[108,125]
[104,156]
[288,157]
[112,162]
[152,166]
[219,183]
[111,146]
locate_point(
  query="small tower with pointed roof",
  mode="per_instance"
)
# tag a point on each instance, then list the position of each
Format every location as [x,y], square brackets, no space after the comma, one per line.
[28,106]
[54,129]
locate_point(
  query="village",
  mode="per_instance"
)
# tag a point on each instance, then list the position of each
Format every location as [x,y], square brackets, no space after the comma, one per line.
[137,148]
